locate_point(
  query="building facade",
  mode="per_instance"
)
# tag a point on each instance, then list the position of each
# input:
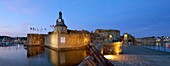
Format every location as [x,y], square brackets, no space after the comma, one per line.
[109,35]
[128,39]
[36,39]
[63,38]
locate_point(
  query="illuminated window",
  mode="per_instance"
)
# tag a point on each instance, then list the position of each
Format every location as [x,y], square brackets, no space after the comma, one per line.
[62,39]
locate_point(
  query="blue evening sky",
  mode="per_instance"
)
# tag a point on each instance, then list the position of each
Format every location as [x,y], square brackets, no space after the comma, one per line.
[140,18]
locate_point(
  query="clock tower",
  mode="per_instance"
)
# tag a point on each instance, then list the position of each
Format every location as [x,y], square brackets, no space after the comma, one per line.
[60,26]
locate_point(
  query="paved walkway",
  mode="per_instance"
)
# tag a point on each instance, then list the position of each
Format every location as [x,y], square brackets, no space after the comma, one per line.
[140,56]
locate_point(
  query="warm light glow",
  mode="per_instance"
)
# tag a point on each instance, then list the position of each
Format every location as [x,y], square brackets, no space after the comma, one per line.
[101,51]
[54,40]
[125,35]
[117,48]
[119,43]
[86,40]
[62,39]
[110,36]
[111,57]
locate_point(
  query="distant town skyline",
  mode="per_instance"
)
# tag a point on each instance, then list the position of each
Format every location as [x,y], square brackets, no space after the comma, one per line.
[140,18]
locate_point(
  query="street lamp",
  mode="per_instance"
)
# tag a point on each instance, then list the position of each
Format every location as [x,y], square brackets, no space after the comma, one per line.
[125,38]
[110,36]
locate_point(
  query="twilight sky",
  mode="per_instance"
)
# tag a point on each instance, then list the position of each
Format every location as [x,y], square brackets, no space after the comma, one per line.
[140,18]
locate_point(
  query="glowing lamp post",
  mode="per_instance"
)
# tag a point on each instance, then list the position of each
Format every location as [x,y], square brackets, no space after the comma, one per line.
[110,38]
[125,38]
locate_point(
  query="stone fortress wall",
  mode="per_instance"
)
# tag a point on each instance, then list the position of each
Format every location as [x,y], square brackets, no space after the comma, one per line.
[35,39]
[73,40]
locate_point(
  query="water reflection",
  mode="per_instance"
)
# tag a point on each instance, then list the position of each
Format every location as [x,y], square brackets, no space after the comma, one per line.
[34,50]
[67,57]
[20,55]
[62,58]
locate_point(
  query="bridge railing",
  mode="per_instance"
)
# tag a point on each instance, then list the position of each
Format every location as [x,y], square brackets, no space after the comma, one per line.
[99,59]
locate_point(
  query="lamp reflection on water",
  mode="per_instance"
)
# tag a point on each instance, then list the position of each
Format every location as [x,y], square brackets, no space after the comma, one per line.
[34,50]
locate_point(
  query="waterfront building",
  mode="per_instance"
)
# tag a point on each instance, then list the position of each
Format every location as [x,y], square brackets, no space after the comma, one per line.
[109,35]
[20,40]
[129,39]
[139,41]
[36,39]
[6,39]
[61,37]
[146,41]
